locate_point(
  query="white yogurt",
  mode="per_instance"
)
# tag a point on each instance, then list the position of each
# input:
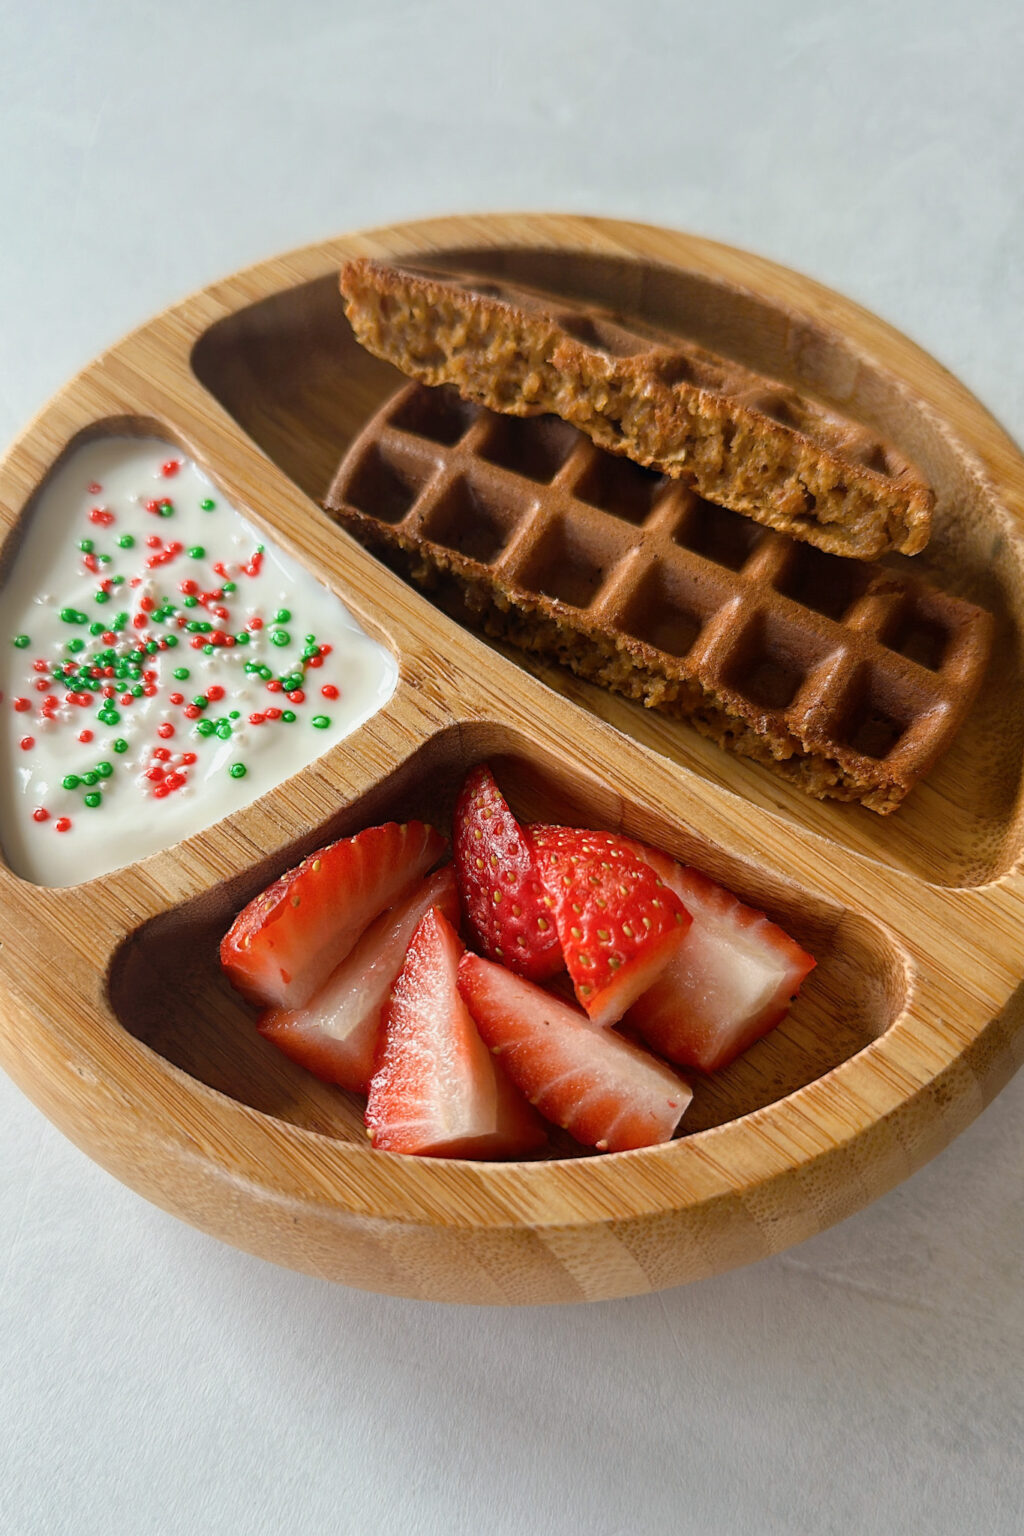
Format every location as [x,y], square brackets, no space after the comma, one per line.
[110,754]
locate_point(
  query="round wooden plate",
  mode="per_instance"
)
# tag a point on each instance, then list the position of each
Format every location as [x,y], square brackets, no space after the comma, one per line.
[114,1019]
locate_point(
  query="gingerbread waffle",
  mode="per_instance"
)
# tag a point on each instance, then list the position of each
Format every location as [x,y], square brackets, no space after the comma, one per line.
[742,440]
[844,677]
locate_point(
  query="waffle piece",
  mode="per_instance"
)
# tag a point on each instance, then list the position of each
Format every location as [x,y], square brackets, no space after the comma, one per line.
[844,677]
[742,440]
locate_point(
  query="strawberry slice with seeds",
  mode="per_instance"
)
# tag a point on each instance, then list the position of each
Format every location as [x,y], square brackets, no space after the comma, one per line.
[602,1089]
[437,1090]
[335,1035]
[733,980]
[288,940]
[501,892]
[618,923]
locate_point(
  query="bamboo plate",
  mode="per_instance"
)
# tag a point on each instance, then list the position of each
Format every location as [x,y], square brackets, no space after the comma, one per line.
[910,1024]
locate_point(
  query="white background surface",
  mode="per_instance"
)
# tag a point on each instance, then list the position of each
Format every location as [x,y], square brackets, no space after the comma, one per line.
[153,1381]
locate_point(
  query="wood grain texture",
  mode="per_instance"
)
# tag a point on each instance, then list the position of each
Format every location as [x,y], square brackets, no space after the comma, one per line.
[913,1019]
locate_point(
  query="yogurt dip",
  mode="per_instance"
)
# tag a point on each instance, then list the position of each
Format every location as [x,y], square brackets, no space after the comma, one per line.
[161,665]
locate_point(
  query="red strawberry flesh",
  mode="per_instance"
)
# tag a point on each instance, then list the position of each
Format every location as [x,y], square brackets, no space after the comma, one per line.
[282,947]
[437,1090]
[618,924]
[732,981]
[335,1035]
[603,1090]
[502,895]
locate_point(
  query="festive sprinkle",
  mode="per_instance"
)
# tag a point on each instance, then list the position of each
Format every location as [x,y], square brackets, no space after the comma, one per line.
[126,541]
[94,799]
[40,814]
[321,722]
[62,824]
[237,770]
[207,505]
[119,745]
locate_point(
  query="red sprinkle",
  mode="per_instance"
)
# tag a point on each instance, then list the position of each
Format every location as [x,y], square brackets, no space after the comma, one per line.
[85,736]
[177,698]
[166,729]
[273,714]
[22,704]
[162,754]
[63,824]
[315,661]
[255,622]
[192,711]
[160,791]
[329,691]
[42,683]
[274,686]
[215,693]
[101,516]
[170,468]
[187,759]
[155,773]
[256,719]
[27,743]
[174,780]
[297,696]
[95,488]
[154,541]
[40,814]
[40,665]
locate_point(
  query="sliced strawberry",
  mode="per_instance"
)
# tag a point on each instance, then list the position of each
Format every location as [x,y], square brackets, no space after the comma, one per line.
[604,1091]
[502,896]
[335,1034]
[287,941]
[731,982]
[617,923]
[437,1090]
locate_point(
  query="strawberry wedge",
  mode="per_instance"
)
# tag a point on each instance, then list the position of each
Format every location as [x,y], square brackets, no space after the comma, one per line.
[437,1090]
[731,982]
[502,897]
[335,1034]
[604,1091]
[283,946]
[618,923]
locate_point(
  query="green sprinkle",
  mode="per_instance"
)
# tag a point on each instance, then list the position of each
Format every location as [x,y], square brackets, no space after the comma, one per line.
[200,701]
[120,745]
[98,628]
[242,638]
[280,637]
[288,716]
[310,639]
[321,722]
[105,560]
[102,597]
[208,650]
[207,504]
[166,509]
[190,602]
[94,799]
[282,616]
[71,781]
[90,778]
[237,770]
[205,727]
[86,546]
[109,716]
[126,541]
[21,641]
[229,587]
[68,615]
[181,673]
[265,673]
[115,581]
[104,770]
[236,714]
[170,641]
[76,645]
[223,729]
[197,552]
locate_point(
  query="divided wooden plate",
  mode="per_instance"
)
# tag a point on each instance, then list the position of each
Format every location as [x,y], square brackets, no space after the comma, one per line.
[113,1017]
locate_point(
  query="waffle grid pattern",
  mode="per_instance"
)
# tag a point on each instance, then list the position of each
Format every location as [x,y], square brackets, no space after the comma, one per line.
[848,675]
